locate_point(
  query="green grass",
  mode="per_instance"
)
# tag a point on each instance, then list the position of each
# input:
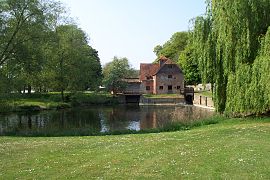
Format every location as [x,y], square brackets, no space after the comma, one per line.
[232,149]
[162,95]
[205,93]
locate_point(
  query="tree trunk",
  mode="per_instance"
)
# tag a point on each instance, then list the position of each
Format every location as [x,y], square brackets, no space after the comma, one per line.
[29,89]
[62,94]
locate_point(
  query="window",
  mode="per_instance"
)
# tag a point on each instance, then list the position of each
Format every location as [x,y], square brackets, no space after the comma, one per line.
[149,77]
[178,87]
[169,87]
[147,88]
[170,66]
[160,87]
[169,76]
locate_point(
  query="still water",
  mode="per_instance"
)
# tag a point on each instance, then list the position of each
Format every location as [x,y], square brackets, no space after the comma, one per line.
[98,119]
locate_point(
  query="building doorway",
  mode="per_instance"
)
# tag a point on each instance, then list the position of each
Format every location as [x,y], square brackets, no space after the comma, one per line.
[170,89]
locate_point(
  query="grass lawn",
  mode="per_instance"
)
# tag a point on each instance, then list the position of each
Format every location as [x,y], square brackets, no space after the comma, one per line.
[163,95]
[233,149]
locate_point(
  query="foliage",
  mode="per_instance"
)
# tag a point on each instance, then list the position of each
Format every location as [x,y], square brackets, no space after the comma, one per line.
[41,49]
[74,64]
[227,45]
[172,48]
[248,88]
[115,71]
[189,65]
[171,155]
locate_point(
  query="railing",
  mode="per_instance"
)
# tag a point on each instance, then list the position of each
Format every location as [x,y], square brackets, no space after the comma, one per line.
[187,90]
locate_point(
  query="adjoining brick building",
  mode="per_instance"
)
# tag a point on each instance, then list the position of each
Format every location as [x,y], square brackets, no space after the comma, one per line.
[165,77]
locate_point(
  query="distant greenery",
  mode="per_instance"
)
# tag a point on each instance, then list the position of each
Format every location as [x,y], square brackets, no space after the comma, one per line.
[233,149]
[173,47]
[115,71]
[189,64]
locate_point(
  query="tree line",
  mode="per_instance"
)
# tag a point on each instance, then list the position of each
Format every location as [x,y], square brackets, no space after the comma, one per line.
[42,49]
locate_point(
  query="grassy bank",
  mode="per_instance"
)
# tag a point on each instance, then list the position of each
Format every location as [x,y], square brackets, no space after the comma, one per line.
[163,95]
[233,149]
[36,102]
[205,93]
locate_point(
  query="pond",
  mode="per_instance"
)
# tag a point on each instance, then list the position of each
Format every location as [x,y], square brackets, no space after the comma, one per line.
[80,121]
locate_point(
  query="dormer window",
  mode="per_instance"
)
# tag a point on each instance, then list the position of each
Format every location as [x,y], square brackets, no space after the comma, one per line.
[169,76]
[170,66]
[149,77]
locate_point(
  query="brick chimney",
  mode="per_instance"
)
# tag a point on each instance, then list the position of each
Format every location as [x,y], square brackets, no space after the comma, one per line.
[162,60]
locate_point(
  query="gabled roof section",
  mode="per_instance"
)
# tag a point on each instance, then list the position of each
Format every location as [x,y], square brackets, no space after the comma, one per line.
[166,61]
[148,70]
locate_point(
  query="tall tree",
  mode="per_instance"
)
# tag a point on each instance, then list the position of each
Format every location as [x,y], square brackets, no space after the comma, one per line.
[18,18]
[22,34]
[227,41]
[74,65]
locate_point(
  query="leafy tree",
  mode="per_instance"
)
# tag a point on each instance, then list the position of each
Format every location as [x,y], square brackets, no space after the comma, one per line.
[114,72]
[189,65]
[229,42]
[41,49]
[74,65]
[172,48]
[18,19]
[22,35]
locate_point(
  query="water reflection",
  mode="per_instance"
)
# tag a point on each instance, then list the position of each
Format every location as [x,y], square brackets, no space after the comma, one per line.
[98,119]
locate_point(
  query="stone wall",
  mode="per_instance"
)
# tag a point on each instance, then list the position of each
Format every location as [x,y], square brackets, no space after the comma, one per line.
[160,101]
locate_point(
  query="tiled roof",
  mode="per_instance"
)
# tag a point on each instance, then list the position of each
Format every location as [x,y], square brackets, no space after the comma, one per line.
[148,70]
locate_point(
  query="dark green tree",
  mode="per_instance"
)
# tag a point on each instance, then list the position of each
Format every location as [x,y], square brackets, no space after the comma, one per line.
[114,72]
[189,65]
[172,48]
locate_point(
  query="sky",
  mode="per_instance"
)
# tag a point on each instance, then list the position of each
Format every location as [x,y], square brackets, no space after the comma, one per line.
[132,28]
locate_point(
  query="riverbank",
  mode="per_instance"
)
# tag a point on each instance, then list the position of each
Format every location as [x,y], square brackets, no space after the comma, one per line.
[48,101]
[231,149]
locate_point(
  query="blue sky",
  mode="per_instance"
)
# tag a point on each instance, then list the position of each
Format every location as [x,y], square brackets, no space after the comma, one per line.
[132,28]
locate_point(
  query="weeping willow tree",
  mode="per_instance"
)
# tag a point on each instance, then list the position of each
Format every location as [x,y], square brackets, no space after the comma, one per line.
[232,46]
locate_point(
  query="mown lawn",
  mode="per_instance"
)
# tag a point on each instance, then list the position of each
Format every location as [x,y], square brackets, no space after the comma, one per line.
[234,149]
